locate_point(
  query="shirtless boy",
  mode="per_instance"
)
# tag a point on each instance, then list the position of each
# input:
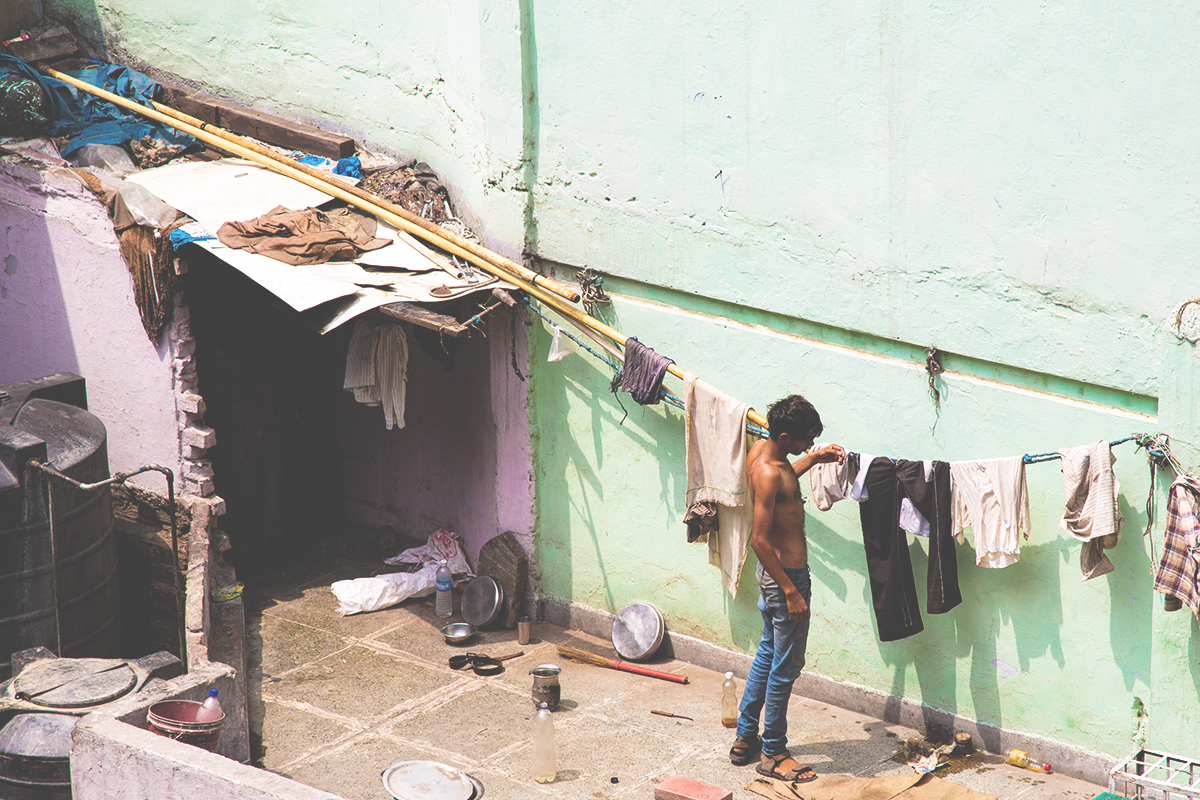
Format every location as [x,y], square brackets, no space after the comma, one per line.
[784,586]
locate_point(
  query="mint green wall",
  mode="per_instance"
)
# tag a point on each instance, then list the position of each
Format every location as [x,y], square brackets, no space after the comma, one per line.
[801,197]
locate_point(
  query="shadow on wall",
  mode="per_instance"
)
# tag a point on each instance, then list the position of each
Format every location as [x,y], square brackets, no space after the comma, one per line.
[34,323]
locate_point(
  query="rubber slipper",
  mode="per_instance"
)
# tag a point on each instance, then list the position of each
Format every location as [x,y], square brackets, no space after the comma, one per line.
[791,776]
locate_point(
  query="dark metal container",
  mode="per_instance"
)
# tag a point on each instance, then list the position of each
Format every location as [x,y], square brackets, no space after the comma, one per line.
[47,420]
[35,757]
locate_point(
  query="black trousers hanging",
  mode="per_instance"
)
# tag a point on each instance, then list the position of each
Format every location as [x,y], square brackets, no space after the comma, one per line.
[893,590]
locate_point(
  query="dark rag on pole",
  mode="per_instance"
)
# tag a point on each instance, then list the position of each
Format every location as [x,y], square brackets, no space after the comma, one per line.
[642,375]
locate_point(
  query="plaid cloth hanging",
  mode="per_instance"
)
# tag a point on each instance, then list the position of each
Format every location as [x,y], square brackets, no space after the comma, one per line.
[1179,569]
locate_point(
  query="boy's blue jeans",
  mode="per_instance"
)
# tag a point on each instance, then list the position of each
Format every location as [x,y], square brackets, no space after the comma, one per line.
[776,665]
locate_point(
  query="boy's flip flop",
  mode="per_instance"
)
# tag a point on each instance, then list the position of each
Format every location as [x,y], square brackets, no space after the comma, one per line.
[769,766]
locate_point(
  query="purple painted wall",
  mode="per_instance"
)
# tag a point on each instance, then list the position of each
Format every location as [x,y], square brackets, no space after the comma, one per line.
[462,460]
[66,303]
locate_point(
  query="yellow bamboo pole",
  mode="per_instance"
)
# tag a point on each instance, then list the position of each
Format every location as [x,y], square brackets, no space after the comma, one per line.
[402,218]
[337,189]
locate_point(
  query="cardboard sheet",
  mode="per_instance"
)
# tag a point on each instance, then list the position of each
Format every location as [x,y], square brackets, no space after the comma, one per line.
[215,192]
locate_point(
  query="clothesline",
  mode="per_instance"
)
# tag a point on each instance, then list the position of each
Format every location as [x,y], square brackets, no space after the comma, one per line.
[1040,457]
[670,399]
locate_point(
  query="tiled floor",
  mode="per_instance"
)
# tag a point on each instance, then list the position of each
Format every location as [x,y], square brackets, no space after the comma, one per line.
[336,700]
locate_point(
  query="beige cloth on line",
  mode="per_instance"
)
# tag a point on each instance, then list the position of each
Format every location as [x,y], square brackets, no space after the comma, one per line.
[1093,512]
[844,787]
[991,496]
[376,367]
[716,472]
[309,236]
[829,482]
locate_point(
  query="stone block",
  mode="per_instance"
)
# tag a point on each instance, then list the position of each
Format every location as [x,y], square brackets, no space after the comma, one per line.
[197,470]
[190,402]
[200,437]
[185,348]
[678,787]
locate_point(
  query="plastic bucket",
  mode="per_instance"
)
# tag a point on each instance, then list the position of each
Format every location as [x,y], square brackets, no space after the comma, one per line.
[176,719]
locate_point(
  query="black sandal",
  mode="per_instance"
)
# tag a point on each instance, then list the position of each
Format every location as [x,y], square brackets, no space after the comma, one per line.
[744,751]
[769,766]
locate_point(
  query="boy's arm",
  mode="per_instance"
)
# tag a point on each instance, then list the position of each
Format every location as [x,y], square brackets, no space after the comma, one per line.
[765,485]
[827,454]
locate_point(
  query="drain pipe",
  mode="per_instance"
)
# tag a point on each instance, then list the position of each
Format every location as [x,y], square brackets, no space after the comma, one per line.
[120,477]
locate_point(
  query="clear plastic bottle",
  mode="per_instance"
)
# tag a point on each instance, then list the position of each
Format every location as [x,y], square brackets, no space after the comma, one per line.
[545,762]
[1019,758]
[445,582]
[210,709]
[729,702]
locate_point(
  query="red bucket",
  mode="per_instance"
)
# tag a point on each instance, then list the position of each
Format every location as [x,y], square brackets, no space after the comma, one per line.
[178,720]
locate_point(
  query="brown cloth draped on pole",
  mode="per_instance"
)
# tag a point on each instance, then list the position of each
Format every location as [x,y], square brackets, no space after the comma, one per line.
[310,236]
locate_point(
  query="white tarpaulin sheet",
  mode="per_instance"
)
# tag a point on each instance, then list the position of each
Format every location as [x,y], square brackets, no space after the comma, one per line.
[230,190]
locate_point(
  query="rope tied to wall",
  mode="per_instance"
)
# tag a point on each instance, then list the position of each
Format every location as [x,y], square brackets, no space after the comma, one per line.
[591,285]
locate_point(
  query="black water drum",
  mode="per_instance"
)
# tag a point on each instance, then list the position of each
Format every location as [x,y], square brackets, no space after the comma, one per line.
[35,757]
[45,420]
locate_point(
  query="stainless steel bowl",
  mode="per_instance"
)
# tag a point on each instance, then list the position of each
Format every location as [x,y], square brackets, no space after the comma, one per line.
[458,632]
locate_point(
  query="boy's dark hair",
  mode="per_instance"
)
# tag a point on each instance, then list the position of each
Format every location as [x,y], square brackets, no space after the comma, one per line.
[795,416]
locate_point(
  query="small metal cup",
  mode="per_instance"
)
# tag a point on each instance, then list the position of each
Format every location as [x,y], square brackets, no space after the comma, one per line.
[524,630]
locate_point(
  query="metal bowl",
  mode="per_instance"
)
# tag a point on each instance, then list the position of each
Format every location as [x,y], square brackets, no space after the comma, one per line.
[458,632]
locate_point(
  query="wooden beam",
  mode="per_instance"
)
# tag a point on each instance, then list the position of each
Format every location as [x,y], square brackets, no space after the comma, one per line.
[418,315]
[265,127]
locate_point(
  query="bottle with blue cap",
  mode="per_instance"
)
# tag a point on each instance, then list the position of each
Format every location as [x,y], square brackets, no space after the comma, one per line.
[545,761]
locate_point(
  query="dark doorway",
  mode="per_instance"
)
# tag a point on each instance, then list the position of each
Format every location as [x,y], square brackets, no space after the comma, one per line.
[270,384]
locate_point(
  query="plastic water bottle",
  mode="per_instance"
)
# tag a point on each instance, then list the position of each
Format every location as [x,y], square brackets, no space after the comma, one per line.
[445,582]
[210,709]
[545,762]
[1019,758]
[729,702]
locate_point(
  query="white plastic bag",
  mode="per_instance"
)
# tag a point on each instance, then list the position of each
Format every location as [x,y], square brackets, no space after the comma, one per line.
[558,348]
[371,594]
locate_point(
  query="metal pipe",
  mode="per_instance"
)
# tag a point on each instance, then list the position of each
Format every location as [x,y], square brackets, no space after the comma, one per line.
[121,477]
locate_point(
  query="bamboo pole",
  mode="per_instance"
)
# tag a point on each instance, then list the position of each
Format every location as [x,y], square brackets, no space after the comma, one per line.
[337,189]
[402,218]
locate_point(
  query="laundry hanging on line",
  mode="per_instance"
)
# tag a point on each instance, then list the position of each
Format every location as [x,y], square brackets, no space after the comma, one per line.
[377,367]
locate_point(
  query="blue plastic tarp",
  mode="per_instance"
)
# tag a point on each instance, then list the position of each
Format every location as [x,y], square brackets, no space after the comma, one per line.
[86,119]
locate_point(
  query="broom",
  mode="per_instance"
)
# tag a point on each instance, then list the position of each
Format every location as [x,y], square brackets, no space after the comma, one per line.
[584,657]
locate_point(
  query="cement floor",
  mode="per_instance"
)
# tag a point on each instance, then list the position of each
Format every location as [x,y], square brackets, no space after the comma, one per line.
[336,700]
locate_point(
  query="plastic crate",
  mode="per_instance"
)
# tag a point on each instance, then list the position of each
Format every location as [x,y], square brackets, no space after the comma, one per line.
[1154,775]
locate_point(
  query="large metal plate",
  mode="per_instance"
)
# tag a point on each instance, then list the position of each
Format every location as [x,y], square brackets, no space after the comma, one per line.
[481,601]
[427,780]
[637,631]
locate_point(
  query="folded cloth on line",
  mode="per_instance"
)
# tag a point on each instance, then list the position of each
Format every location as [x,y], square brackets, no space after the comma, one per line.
[1093,512]
[701,520]
[642,374]
[831,481]
[309,236]
[716,472]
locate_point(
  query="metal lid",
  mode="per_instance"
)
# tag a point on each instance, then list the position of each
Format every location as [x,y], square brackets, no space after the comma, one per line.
[481,601]
[427,780]
[637,631]
[74,682]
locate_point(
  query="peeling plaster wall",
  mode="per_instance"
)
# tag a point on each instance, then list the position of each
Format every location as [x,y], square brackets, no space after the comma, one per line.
[821,190]
[66,303]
